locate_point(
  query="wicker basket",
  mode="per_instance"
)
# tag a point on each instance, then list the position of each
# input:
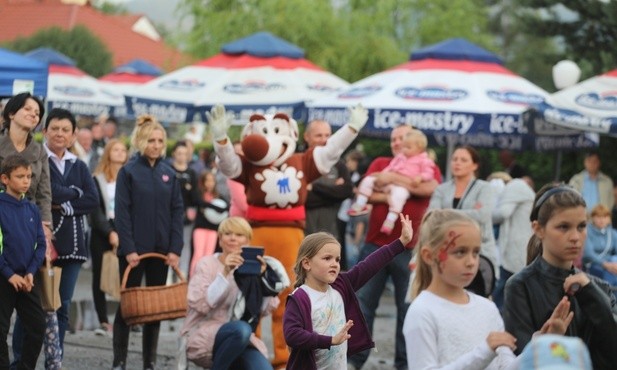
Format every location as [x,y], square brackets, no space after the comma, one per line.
[140,305]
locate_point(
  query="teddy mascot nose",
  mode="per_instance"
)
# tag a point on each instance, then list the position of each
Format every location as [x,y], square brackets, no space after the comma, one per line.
[255,147]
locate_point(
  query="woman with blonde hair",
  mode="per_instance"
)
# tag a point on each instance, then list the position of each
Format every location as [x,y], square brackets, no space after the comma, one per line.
[148,218]
[104,236]
[225,304]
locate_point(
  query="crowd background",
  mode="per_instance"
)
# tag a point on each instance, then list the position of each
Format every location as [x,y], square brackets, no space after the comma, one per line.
[205,183]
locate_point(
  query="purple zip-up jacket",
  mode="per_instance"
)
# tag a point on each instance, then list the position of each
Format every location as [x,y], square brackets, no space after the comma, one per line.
[298,325]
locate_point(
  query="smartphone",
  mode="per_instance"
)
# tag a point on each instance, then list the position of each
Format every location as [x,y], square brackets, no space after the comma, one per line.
[251,265]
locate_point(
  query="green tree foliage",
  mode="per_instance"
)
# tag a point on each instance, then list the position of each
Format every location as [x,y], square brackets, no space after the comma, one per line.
[110,8]
[587,30]
[437,20]
[357,38]
[528,54]
[353,38]
[79,43]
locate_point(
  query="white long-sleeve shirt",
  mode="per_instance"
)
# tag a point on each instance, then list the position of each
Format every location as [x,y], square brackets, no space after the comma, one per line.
[440,334]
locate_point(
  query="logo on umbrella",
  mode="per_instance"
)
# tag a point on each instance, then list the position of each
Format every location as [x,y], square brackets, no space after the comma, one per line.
[430,93]
[606,101]
[74,90]
[250,87]
[322,88]
[360,92]
[183,85]
[514,97]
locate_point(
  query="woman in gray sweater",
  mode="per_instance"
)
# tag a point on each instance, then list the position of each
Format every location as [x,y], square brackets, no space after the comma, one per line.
[472,196]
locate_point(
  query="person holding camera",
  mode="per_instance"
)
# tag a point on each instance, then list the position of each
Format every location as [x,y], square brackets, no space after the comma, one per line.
[226,301]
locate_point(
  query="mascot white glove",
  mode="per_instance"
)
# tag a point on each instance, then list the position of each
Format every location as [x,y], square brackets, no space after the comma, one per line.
[358,116]
[219,122]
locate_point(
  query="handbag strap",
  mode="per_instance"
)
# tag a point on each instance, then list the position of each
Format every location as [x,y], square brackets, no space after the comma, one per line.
[460,202]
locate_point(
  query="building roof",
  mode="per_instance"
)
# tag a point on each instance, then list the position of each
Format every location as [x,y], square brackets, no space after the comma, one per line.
[115,31]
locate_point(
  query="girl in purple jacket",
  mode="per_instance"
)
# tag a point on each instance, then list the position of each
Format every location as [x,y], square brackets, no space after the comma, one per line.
[323,323]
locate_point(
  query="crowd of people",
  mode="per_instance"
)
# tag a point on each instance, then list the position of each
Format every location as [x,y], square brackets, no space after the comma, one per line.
[482,271]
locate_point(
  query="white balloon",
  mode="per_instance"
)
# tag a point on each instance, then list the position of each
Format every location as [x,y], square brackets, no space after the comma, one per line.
[565,74]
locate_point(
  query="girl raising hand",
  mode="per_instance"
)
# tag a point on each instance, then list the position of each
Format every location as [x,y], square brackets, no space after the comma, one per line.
[323,323]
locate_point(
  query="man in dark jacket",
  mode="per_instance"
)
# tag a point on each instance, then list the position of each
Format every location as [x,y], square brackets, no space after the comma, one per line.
[326,194]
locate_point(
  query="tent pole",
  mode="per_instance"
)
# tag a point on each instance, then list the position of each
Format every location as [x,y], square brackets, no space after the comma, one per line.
[450,150]
[558,160]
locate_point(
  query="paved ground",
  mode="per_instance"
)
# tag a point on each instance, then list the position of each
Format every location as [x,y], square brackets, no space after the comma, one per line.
[85,350]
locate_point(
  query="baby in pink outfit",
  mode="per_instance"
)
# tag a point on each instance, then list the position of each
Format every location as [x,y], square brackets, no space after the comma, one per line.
[413,162]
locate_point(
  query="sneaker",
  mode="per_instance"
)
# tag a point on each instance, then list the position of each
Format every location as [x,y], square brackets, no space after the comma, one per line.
[356,210]
[105,329]
[387,227]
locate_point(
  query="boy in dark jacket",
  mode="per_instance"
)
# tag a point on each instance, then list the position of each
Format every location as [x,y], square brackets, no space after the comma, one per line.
[22,250]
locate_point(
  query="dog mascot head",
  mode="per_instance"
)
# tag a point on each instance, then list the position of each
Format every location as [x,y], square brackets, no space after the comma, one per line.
[269,140]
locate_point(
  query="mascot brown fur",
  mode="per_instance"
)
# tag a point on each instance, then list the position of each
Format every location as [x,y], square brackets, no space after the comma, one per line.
[275,179]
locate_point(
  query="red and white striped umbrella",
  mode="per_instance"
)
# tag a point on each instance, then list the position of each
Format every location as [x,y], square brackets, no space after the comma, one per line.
[245,80]
[455,92]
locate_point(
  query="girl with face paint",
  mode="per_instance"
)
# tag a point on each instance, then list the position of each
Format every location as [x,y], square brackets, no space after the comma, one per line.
[446,325]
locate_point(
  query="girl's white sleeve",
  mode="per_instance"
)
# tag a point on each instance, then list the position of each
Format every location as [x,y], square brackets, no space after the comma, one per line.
[506,359]
[421,345]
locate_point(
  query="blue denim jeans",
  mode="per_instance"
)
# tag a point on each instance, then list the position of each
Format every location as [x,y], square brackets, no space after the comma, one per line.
[233,350]
[370,294]
[70,273]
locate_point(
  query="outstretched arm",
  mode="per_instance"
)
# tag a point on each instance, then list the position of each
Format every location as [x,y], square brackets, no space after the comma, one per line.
[219,121]
[326,156]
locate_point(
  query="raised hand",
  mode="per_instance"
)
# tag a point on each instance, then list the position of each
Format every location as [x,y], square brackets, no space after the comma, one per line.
[358,116]
[560,319]
[342,335]
[219,122]
[406,229]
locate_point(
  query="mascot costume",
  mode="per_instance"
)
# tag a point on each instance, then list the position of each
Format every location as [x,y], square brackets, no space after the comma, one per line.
[275,179]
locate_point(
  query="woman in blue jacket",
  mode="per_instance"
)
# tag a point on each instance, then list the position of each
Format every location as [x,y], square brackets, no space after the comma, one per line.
[149,216]
[73,196]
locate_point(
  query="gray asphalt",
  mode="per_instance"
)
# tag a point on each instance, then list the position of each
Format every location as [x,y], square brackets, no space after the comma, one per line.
[85,350]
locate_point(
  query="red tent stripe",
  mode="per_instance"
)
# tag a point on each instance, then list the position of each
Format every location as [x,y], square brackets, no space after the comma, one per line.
[127,78]
[612,73]
[67,70]
[248,61]
[454,65]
